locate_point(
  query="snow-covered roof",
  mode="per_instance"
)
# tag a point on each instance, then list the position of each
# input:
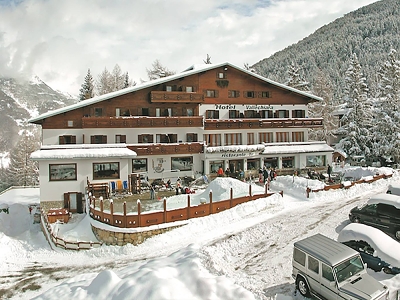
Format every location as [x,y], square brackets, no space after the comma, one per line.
[282,148]
[82,151]
[190,71]
[386,199]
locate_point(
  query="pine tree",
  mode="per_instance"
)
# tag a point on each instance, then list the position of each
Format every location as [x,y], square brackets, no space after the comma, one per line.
[324,109]
[86,91]
[22,171]
[387,121]
[357,121]
[158,71]
[127,81]
[296,80]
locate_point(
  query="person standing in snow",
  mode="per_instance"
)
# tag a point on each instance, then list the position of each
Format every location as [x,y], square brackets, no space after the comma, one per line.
[329,172]
[265,174]
[220,172]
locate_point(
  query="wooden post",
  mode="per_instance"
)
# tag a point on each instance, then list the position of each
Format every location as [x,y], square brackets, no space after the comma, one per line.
[188,207]
[210,197]
[138,212]
[165,210]
[124,225]
[251,196]
[231,197]
[112,213]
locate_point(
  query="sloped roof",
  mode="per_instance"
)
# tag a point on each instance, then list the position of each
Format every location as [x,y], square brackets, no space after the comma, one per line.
[195,69]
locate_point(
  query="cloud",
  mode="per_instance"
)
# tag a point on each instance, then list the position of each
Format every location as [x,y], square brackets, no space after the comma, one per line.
[60,40]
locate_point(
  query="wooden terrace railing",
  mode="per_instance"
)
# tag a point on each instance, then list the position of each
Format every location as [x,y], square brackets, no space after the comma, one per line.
[124,220]
[218,124]
[141,122]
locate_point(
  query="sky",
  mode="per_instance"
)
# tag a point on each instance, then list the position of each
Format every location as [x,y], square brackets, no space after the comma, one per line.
[241,253]
[60,40]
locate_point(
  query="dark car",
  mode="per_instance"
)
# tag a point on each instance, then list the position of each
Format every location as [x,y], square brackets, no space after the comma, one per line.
[367,255]
[381,211]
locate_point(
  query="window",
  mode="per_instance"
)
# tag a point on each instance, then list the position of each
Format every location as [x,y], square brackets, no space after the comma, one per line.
[313,264]
[182,163]
[287,162]
[298,114]
[98,139]
[106,170]
[168,88]
[252,114]
[265,137]
[250,138]
[62,172]
[271,162]
[253,164]
[120,138]
[212,114]
[267,114]
[98,112]
[212,140]
[158,112]
[191,137]
[315,161]
[139,165]
[233,94]
[215,165]
[327,272]
[166,138]
[264,94]
[282,114]
[282,137]
[67,139]
[221,75]
[189,112]
[145,111]
[70,123]
[189,89]
[299,257]
[167,112]
[211,94]
[233,139]
[249,94]
[233,114]
[145,138]
[297,136]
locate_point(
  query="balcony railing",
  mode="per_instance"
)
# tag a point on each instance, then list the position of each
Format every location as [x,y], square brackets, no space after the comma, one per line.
[141,122]
[214,124]
[163,96]
[164,149]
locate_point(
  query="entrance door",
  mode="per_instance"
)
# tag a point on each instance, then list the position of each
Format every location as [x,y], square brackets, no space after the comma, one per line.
[73,202]
[235,166]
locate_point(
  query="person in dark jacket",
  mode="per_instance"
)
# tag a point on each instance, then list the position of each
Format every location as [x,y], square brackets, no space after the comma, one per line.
[329,172]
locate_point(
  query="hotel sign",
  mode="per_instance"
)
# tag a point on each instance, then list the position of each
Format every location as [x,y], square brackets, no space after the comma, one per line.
[243,106]
[228,155]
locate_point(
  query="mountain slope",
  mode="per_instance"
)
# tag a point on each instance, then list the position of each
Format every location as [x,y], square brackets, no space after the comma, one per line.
[369,32]
[20,100]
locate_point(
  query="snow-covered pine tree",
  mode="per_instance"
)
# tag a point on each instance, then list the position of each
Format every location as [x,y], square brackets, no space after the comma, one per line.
[158,71]
[23,171]
[357,120]
[387,122]
[295,79]
[87,87]
[324,109]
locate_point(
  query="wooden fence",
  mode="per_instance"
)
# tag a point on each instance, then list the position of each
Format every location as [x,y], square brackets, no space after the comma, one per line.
[349,185]
[59,242]
[124,220]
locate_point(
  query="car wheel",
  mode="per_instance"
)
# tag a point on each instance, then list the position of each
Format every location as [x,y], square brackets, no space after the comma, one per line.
[302,286]
[398,234]
[386,270]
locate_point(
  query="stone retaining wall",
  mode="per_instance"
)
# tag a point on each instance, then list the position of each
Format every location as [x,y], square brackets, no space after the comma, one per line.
[123,238]
[46,205]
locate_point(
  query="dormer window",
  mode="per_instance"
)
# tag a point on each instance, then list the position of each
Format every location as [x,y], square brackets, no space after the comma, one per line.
[221,75]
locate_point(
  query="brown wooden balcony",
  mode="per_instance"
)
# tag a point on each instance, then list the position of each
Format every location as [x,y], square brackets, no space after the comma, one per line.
[176,97]
[164,149]
[141,122]
[212,124]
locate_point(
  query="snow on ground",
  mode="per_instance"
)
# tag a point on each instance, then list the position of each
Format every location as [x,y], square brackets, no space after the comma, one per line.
[241,253]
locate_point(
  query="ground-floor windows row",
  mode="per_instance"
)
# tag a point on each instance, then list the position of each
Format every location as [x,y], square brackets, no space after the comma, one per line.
[184,163]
